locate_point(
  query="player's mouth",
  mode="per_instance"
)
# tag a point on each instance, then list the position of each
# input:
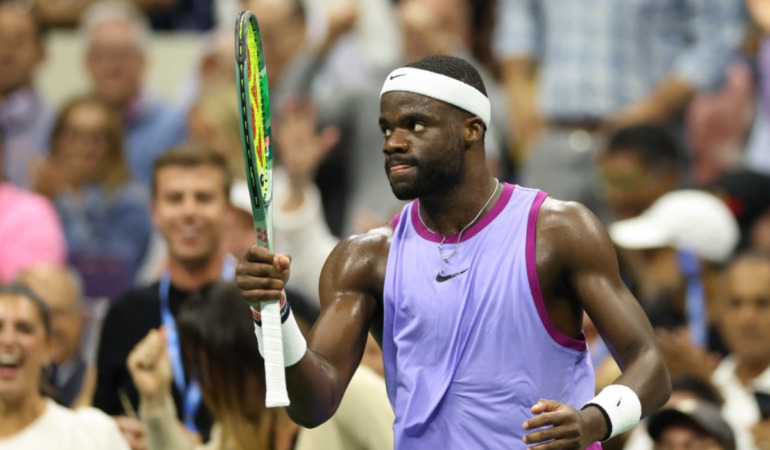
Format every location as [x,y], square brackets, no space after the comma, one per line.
[394,165]
[399,168]
[189,232]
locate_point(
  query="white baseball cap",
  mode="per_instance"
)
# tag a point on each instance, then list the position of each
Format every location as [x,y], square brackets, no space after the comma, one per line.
[686,220]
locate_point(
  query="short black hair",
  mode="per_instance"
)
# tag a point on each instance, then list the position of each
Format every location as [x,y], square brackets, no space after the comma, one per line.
[453,67]
[655,145]
[40,304]
[751,255]
[697,386]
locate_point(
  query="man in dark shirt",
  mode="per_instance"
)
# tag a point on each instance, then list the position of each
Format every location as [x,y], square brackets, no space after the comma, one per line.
[190,201]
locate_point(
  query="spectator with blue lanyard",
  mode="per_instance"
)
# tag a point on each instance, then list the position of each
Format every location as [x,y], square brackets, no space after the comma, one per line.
[190,201]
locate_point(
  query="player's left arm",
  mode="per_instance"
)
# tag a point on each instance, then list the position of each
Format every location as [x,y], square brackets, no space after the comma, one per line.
[587,261]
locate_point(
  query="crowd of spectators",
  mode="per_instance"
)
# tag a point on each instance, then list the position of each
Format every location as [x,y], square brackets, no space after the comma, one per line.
[118,204]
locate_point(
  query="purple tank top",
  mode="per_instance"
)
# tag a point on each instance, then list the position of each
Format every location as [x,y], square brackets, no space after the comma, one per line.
[466,358]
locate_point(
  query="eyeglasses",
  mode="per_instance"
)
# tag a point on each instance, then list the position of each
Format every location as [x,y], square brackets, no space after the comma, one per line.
[91,136]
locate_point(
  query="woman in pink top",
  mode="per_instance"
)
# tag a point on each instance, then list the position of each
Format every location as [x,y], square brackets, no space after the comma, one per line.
[30,231]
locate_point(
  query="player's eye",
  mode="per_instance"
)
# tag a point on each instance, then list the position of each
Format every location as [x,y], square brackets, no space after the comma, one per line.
[416,126]
[387,132]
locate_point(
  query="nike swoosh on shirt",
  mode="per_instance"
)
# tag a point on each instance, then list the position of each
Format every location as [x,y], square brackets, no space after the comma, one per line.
[441,278]
[397,75]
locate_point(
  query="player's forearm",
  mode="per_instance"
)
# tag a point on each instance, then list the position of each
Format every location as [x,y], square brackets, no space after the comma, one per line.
[648,377]
[315,390]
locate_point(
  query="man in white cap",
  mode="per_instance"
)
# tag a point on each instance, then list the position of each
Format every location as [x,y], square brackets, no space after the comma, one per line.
[674,252]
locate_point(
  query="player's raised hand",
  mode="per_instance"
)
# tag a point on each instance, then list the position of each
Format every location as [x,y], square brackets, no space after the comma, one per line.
[560,426]
[262,275]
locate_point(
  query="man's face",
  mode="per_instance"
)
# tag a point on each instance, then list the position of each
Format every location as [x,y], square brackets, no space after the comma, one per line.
[629,185]
[115,62]
[21,50]
[423,147]
[745,322]
[24,347]
[190,210]
[686,437]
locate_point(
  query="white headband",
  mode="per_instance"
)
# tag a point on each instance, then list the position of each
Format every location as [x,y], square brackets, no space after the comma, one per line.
[440,87]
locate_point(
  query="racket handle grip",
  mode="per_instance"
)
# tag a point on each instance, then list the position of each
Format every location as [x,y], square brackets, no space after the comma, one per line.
[272,339]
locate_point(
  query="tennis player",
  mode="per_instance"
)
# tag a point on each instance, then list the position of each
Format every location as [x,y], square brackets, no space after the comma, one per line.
[475,292]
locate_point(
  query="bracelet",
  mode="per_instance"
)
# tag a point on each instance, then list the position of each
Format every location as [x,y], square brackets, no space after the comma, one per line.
[294,343]
[620,406]
[284,306]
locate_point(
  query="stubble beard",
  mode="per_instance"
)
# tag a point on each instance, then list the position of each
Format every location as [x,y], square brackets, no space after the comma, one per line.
[433,175]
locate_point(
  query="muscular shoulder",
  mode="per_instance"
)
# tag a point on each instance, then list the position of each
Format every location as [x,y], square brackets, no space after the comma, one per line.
[359,261]
[571,231]
[567,217]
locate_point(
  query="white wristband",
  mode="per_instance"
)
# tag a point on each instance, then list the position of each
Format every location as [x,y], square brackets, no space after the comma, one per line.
[620,406]
[294,344]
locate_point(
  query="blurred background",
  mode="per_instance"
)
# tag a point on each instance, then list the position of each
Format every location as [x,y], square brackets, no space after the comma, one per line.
[653,113]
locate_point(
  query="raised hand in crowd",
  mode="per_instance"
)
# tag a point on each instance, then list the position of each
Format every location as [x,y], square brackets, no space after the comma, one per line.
[150,367]
[48,177]
[340,19]
[302,149]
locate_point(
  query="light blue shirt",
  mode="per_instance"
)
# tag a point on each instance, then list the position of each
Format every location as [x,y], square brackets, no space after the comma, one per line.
[153,127]
[597,56]
[103,231]
[26,120]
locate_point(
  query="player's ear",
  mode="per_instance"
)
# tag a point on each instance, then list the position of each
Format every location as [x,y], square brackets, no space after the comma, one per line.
[473,130]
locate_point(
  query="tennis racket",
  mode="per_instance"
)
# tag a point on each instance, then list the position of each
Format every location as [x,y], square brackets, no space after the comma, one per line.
[254,104]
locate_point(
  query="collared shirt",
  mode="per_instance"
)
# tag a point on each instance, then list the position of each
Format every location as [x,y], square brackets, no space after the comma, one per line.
[26,122]
[597,56]
[740,409]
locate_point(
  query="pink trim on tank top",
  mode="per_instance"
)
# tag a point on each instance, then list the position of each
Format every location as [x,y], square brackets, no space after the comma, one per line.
[534,281]
[474,229]
[395,220]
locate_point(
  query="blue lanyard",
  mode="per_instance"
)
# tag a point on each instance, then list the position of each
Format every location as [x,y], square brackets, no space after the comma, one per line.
[191,393]
[695,302]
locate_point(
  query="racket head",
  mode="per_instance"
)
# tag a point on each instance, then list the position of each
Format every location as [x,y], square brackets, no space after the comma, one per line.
[256,141]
